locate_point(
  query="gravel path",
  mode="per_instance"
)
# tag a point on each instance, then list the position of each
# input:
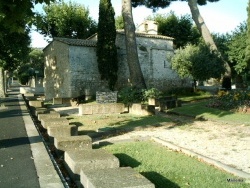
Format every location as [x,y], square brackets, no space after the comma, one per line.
[226,143]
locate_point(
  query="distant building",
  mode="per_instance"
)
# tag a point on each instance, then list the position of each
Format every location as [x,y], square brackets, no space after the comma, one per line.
[71,64]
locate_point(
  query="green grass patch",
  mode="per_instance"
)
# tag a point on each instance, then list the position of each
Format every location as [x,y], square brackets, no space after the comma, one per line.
[90,123]
[170,169]
[199,110]
[194,98]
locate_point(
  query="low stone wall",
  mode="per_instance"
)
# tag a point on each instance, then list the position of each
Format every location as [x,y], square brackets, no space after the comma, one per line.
[108,108]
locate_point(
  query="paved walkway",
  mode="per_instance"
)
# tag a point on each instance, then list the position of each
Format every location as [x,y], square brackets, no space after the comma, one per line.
[24,160]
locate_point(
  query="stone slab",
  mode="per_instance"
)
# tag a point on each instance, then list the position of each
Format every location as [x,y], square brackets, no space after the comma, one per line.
[142,110]
[58,130]
[41,111]
[73,143]
[107,108]
[36,103]
[57,101]
[124,177]
[88,159]
[46,122]
[49,115]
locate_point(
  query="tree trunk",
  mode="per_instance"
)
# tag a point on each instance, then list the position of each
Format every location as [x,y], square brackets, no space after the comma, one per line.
[2,88]
[206,34]
[136,76]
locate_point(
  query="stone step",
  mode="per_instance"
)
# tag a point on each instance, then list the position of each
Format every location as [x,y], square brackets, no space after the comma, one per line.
[88,160]
[73,143]
[49,115]
[61,130]
[114,178]
[41,111]
[46,122]
[36,103]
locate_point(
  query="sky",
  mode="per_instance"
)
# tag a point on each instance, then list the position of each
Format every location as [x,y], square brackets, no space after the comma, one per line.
[220,17]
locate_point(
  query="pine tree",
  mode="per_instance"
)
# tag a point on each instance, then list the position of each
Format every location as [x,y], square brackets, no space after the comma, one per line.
[106,48]
[247,55]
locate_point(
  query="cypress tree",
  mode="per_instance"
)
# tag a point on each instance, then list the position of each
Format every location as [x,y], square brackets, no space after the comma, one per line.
[106,48]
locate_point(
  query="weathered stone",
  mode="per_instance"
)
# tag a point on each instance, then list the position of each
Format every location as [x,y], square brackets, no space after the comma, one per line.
[36,103]
[88,160]
[62,130]
[73,143]
[50,115]
[106,97]
[142,110]
[41,111]
[108,108]
[57,101]
[113,178]
[46,122]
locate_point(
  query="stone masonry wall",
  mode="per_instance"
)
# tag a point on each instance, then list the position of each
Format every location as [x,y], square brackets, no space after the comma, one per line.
[71,70]
[56,72]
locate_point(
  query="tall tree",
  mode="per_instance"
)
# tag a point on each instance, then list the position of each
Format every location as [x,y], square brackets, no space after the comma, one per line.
[136,76]
[197,62]
[14,17]
[70,20]
[14,12]
[180,28]
[193,5]
[247,55]
[106,48]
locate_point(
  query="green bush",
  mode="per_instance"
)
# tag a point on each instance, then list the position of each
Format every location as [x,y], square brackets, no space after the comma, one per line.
[228,100]
[151,93]
[129,95]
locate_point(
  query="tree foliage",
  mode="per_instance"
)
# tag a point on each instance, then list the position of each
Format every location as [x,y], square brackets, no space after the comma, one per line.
[119,23]
[181,29]
[14,12]
[70,20]
[27,69]
[198,62]
[155,4]
[236,48]
[106,48]
[14,48]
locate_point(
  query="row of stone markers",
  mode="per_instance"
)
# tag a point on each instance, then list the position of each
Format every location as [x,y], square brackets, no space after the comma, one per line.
[87,167]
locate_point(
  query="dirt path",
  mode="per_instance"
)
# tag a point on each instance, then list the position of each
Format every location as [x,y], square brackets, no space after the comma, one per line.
[224,142]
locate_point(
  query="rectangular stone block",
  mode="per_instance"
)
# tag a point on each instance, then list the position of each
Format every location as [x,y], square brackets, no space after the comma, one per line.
[41,111]
[50,115]
[108,108]
[57,101]
[142,110]
[73,143]
[124,177]
[88,160]
[36,103]
[46,122]
[62,130]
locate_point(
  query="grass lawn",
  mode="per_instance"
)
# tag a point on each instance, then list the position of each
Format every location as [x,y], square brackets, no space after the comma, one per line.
[199,110]
[92,123]
[168,169]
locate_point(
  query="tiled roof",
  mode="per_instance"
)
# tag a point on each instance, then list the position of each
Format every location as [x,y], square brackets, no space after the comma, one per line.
[138,34]
[76,42]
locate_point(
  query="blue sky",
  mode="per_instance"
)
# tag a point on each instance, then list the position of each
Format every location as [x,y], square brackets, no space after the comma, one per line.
[220,17]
